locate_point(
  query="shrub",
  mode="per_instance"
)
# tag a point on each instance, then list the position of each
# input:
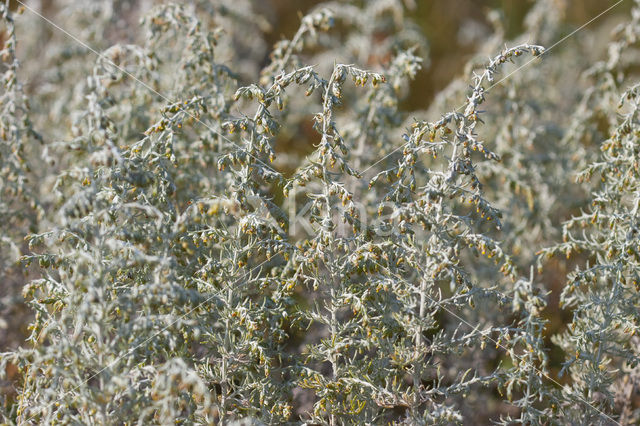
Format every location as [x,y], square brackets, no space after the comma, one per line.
[209,239]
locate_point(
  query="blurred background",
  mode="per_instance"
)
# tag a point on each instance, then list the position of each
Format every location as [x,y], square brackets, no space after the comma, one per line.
[455,30]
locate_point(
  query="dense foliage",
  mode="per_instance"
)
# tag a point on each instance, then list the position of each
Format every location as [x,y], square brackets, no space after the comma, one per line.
[203,235]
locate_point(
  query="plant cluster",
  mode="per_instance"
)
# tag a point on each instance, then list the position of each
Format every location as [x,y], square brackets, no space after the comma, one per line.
[205,238]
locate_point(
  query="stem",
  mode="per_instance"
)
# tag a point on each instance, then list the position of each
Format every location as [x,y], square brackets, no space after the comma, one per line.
[419,341]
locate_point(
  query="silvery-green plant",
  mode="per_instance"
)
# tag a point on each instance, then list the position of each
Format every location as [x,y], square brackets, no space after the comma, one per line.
[217,237]
[20,207]
[600,343]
